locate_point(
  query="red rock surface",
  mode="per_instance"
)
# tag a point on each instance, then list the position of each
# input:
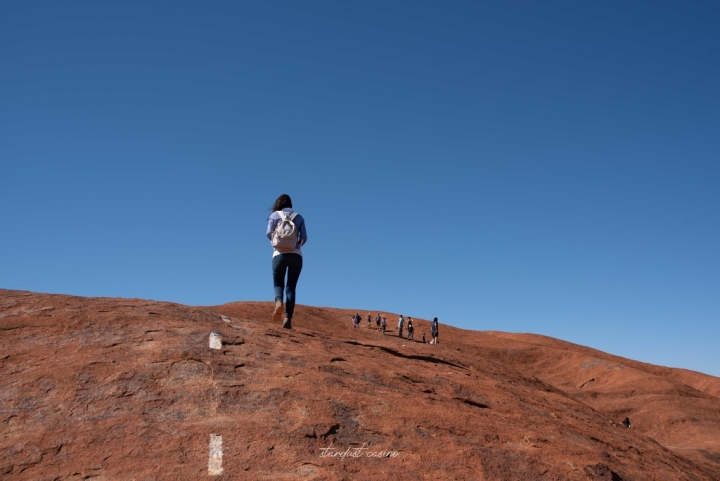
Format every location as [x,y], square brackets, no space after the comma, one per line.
[116,389]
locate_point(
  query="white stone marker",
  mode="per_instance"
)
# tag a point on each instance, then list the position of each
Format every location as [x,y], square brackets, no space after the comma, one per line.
[215,340]
[215,459]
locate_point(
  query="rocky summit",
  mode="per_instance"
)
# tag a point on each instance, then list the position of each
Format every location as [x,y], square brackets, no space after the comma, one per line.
[129,389]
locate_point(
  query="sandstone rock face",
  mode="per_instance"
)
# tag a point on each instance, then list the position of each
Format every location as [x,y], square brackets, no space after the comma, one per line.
[127,389]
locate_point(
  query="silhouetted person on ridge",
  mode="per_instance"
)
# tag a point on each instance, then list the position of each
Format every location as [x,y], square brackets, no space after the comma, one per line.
[434,331]
[286,231]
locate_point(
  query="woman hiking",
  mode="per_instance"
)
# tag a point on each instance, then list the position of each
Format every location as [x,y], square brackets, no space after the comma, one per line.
[286,231]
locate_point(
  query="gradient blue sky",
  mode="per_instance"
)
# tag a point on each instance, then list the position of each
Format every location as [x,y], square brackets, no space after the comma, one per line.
[545,167]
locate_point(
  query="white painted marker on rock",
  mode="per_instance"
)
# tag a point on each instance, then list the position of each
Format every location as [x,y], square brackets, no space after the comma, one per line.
[215,459]
[215,340]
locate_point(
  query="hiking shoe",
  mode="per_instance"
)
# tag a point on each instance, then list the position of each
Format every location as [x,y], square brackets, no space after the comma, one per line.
[278,312]
[287,324]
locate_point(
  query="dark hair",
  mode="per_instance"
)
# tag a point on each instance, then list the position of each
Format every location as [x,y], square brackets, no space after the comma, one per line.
[282,202]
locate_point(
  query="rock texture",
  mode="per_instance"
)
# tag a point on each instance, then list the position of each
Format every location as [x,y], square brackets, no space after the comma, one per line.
[116,389]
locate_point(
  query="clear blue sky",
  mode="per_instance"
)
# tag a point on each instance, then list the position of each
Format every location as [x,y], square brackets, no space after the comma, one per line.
[545,167]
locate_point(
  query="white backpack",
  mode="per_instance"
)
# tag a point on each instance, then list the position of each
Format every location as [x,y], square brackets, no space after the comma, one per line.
[285,237]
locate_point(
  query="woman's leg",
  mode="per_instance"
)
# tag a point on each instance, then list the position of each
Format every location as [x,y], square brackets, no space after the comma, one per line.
[294,266]
[279,266]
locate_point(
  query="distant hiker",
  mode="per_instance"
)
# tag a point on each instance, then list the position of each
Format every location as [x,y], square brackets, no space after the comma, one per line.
[626,422]
[423,338]
[286,231]
[384,325]
[434,331]
[401,323]
[356,320]
[410,329]
[369,319]
[377,321]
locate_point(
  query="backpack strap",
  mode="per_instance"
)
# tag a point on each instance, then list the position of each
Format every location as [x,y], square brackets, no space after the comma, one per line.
[283,216]
[293,215]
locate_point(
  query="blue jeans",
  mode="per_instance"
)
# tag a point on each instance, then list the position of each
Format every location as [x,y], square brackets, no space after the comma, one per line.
[292,264]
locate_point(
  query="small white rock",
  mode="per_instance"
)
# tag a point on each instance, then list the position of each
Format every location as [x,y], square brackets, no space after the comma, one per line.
[215,457]
[215,340]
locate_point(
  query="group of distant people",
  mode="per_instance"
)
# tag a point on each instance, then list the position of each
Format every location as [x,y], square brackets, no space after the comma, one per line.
[381,325]
[380,322]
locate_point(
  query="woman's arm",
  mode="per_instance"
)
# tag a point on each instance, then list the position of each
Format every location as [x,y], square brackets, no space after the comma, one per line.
[303,233]
[272,223]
